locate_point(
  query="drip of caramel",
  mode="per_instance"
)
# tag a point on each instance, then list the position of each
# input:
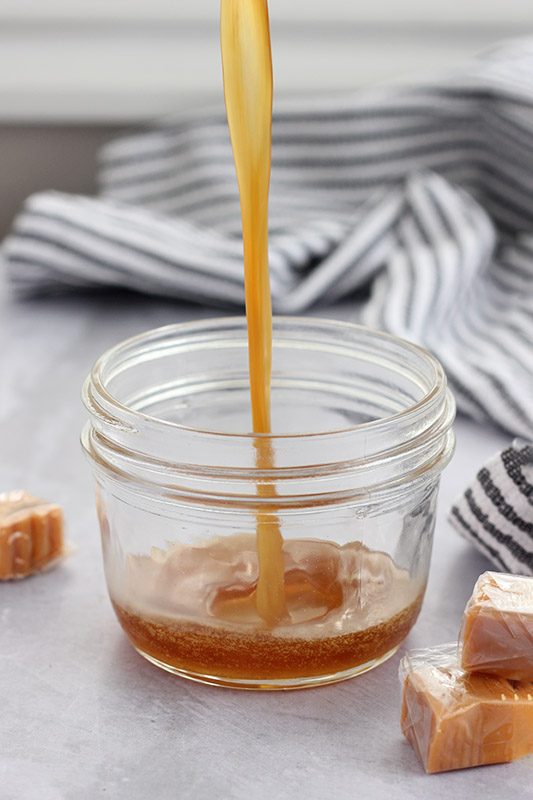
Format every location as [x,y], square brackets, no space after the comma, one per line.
[247,71]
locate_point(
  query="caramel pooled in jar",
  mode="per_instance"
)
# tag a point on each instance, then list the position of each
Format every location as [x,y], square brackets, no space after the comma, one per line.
[194,608]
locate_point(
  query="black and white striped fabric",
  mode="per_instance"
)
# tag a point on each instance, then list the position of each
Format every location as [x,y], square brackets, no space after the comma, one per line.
[422,196]
[496,512]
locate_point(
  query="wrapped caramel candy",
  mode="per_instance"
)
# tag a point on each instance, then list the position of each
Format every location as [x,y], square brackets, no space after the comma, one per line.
[497,630]
[31,535]
[454,719]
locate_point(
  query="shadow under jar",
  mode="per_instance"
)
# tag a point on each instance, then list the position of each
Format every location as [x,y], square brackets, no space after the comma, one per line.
[362,425]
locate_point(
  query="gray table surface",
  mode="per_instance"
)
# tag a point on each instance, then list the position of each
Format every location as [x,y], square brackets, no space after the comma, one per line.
[83,716]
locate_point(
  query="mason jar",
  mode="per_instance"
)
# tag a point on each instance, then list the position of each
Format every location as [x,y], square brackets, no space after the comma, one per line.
[270,561]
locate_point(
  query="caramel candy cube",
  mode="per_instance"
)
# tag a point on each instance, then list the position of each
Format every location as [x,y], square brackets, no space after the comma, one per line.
[454,719]
[497,629]
[31,534]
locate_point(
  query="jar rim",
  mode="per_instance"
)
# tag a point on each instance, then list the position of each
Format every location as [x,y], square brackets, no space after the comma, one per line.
[160,456]
[96,379]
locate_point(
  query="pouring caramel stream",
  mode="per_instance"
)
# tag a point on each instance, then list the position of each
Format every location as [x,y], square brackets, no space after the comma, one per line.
[245,608]
[247,71]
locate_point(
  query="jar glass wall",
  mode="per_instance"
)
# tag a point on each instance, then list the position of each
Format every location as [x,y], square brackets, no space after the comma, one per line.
[338,505]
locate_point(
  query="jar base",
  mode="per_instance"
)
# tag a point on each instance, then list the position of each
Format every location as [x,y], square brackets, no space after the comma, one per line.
[283,684]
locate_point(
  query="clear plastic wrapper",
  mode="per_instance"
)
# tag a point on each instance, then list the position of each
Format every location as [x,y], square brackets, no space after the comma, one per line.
[31,535]
[496,635]
[454,719]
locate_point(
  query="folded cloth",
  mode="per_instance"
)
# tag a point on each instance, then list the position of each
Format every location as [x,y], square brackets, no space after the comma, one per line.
[496,511]
[424,196]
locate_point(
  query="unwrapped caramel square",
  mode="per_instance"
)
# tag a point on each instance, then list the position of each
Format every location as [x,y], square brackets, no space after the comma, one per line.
[31,535]
[454,719]
[497,630]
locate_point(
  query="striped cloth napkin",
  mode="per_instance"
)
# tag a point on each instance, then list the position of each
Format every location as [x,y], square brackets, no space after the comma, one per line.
[422,197]
[496,512]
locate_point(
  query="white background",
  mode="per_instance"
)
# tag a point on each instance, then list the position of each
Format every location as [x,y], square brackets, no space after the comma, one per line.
[454,11]
[74,73]
[127,60]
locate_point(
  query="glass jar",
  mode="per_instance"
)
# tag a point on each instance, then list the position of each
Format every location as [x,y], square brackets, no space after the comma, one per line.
[342,496]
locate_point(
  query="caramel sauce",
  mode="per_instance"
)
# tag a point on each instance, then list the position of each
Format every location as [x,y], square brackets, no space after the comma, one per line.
[247,71]
[201,650]
[194,608]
